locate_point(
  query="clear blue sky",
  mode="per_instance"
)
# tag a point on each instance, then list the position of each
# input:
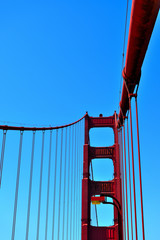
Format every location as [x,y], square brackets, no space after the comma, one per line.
[59,59]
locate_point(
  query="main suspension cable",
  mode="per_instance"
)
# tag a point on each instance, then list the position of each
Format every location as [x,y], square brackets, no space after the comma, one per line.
[124,43]
[6,127]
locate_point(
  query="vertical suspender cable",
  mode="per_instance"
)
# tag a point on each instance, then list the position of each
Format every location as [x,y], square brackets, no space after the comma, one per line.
[55,181]
[69,181]
[60,184]
[77,184]
[95,204]
[123,198]
[129,166]
[74,182]
[140,176]
[48,186]
[30,186]
[78,179]
[82,141]
[64,186]
[2,154]
[71,185]
[125,162]
[80,193]
[134,190]
[81,160]
[40,187]
[17,186]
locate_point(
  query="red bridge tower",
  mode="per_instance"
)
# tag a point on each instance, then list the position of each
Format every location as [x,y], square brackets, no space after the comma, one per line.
[111,189]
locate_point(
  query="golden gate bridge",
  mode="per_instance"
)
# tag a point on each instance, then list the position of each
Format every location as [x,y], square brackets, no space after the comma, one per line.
[54,198]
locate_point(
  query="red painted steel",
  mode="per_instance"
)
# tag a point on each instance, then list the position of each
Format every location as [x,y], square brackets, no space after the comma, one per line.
[100,199]
[112,188]
[102,152]
[123,183]
[143,17]
[133,172]
[118,176]
[140,177]
[129,167]
[102,233]
[102,187]
[126,192]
